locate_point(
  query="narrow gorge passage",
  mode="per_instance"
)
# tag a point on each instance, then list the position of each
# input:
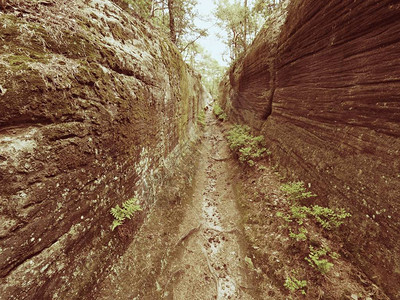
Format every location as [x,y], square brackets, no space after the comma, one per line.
[211,264]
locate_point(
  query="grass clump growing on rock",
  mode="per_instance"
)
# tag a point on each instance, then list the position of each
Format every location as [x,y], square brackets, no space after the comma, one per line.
[219,112]
[295,191]
[127,210]
[248,147]
[296,219]
[323,265]
[300,236]
[327,217]
[293,284]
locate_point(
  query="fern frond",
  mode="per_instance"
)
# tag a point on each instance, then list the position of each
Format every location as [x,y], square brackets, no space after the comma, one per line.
[127,210]
[117,213]
[115,224]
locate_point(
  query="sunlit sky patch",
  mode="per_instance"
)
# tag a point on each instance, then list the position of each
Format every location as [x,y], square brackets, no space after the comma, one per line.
[211,43]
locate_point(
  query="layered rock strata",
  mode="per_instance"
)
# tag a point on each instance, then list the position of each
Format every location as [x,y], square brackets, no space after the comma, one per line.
[321,82]
[94,107]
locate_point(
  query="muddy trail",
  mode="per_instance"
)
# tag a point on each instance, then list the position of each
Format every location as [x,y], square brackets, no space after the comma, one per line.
[215,234]
[191,245]
[211,263]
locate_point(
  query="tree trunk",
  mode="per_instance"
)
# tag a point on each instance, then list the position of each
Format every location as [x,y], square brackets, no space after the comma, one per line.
[3,4]
[172,30]
[152,9]
[245,22]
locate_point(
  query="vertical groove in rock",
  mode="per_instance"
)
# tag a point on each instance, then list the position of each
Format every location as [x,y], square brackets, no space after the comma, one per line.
[272,85]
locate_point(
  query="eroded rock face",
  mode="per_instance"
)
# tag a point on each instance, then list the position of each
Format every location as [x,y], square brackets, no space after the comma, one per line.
[94,105]
[328,84]
[249,88]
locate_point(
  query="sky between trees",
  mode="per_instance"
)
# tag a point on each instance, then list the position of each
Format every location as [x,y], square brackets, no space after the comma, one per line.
[210,34]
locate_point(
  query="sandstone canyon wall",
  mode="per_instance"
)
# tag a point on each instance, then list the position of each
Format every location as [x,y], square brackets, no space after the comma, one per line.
[322,81]
[94,106]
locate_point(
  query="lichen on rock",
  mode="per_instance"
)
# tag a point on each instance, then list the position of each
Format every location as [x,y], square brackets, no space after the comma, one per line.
[87,104]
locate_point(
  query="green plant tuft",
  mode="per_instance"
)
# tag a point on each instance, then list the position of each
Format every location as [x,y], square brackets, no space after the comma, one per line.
[300,236]
[127,210]
[249,148]
[299,213]
[296,217]
[315,260]
[295,191]
[329,218]
[293,284]
[219,112]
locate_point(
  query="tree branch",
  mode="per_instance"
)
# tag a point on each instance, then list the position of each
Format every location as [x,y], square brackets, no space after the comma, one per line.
[201,34]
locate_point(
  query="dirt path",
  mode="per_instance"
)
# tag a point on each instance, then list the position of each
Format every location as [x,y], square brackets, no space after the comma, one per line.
[189,247]
[192,246]
[211,263]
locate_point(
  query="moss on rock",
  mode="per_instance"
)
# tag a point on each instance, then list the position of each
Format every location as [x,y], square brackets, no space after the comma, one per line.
[106,113]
